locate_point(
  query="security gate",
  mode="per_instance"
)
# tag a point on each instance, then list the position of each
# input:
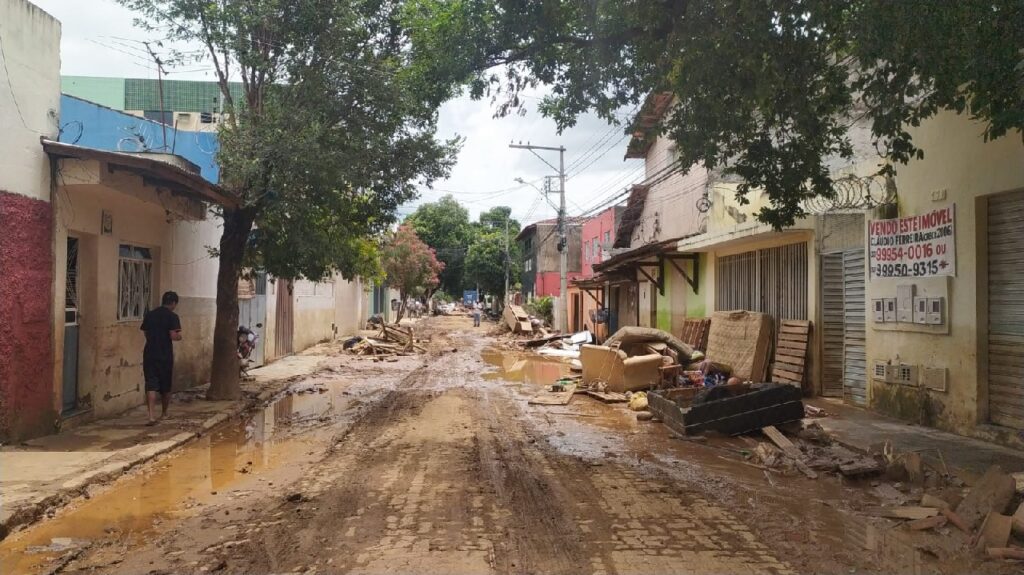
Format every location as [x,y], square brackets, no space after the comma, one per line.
[1006,309]
[844,369]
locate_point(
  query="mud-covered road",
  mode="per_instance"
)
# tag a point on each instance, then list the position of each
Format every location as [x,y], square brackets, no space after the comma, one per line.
[436,464]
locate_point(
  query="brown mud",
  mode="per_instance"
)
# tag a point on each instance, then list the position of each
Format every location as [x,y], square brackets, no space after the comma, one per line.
[436,464]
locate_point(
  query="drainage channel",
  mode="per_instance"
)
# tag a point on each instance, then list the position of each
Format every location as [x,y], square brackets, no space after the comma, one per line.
[284,432]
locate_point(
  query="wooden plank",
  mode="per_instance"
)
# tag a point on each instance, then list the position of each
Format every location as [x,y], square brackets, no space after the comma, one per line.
[927,523]
[793,337]
[992,492]
[902,512]
[781,357]
[792,376]
[994,532]
[783,442]
[554,397]
[607,396]
[789,328]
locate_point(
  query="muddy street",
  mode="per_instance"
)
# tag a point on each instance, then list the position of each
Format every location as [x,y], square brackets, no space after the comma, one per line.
[436,464]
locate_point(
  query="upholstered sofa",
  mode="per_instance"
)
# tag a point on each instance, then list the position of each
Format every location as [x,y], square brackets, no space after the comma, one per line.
[620,371]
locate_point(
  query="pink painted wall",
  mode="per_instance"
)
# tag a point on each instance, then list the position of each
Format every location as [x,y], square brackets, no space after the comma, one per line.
[548,283]
[594,229]
[26,345]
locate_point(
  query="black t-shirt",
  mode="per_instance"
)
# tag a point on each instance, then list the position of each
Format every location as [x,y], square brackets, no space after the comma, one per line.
[158,325]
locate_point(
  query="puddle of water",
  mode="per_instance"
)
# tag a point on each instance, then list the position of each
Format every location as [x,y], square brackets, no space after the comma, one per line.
[215,462]
[523,367]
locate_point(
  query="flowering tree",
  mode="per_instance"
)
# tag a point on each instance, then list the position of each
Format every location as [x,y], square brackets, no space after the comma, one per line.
[410,265]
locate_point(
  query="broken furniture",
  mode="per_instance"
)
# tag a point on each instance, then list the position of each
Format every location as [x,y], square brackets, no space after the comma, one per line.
[618,370]
[742,340]
[637,335]
[726,409]
[517,319]
[695,333]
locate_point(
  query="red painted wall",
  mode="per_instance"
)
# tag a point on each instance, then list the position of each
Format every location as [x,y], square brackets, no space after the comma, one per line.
[594,229]
[26,344]
[549,283]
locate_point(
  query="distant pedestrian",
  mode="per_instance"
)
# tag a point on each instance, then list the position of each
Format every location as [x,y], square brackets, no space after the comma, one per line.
[162,327]
[477,311]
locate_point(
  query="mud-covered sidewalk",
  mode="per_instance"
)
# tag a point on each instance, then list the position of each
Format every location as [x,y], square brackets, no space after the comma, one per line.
[435,463]
[41,474]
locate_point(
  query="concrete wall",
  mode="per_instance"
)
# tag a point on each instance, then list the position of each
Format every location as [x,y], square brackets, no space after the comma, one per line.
[961,166]
[314,313]
[110,350]
[671,207]
[592,234]
[29,108]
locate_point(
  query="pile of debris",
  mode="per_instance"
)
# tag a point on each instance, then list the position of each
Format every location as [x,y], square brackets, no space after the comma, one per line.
[391,341]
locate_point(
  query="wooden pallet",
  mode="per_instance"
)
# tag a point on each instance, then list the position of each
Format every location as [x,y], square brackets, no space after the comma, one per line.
[695,333]
[607,396]
[791,353]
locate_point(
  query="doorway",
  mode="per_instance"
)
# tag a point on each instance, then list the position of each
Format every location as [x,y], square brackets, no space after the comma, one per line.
[69,388]
[284,318]
[844,370]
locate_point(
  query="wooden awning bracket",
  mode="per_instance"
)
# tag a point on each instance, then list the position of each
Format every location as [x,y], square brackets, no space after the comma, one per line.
[590,292]
[660,282]
[694,259]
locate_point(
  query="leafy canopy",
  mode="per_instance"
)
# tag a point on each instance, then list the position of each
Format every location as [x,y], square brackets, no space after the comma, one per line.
[763,89]
[444,225]
[409,264]
[328,137]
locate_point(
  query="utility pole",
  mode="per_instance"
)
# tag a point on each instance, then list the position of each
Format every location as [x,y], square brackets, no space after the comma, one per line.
[508,262]
[563,243]
[160,84]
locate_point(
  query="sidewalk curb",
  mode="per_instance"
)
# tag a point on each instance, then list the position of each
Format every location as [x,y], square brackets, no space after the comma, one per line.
[77,486]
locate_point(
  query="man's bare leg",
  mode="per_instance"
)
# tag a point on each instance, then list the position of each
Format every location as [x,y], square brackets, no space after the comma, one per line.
[151,405]
[165,400]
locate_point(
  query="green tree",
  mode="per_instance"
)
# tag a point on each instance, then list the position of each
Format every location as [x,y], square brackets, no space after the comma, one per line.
[326,141]
[410,265]
[486,261]
[444,225]
[763,89]
[486,256]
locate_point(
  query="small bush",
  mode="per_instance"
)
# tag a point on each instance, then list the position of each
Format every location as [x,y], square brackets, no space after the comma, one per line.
[544,308]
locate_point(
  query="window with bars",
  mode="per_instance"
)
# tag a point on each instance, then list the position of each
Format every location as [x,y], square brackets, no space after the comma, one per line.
[134,282]
[771,281]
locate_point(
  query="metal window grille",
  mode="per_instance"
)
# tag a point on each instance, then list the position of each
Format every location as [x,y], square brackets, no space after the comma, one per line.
[134,282]
[771,281]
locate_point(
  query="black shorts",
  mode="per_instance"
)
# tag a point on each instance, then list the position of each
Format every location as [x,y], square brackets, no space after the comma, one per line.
[158,374]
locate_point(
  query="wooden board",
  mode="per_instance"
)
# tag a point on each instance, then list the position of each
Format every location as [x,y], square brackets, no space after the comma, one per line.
[783,442]
[554,397]
[790,362]
[994,532]
[902,512]
[607,396]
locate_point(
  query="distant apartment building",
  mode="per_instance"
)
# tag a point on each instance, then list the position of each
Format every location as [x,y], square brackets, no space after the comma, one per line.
[538,243]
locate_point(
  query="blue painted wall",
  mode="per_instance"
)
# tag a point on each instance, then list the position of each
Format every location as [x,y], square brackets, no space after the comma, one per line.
[91,125]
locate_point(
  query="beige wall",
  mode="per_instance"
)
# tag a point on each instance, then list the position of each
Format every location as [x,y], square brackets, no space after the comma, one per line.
[961,166]
[29,97]
[110,350]
[671,207]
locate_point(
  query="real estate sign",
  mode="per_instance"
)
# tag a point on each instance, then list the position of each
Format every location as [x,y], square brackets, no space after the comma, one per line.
[913,247]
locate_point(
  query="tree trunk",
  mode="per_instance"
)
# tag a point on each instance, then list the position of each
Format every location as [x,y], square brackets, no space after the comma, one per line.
[224,373]
[401,308]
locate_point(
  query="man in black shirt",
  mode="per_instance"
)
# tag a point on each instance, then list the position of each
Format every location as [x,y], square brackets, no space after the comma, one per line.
[162,326]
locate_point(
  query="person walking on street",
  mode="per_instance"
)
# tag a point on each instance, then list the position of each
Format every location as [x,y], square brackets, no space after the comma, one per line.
[476,314]
[162,327]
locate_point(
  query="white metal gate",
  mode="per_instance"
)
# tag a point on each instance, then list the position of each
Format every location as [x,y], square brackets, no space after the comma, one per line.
[771,281]
[854,345]
[844,369]
[1006,309]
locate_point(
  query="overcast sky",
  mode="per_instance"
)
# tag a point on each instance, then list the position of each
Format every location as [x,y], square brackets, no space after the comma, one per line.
[99,39]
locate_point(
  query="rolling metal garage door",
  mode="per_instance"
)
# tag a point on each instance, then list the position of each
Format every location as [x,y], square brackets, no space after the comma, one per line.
[1006,309]
[854,346]
[832,325]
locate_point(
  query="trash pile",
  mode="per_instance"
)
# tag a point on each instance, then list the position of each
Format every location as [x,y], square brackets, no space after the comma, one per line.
[391,341]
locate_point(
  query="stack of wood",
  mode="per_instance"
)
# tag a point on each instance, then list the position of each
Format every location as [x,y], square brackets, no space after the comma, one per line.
[377,349]
[406,337]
